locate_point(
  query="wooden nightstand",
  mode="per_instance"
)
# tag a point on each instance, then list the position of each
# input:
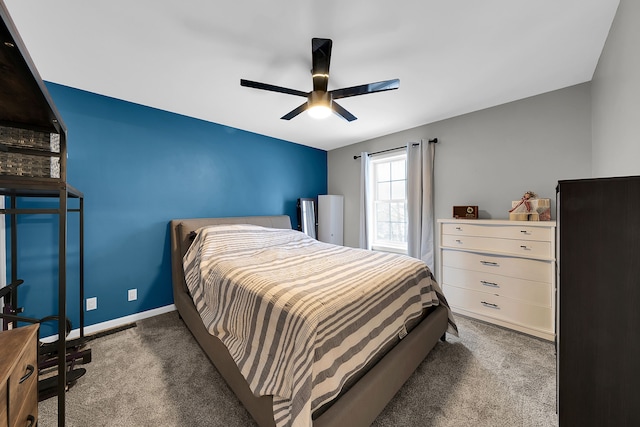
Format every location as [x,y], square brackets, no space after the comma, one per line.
[19,377]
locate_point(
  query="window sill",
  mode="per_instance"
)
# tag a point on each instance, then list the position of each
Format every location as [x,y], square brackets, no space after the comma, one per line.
[390,249]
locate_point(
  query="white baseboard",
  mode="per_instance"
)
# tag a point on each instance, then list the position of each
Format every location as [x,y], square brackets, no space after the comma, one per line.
[110,324]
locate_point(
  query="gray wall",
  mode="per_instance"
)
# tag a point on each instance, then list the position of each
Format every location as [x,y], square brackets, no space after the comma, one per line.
[488,157]
[616,97]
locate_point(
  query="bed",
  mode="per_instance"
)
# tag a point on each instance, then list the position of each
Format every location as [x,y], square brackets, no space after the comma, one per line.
[365,395]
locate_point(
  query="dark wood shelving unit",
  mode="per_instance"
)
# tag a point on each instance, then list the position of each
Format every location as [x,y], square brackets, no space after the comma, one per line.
[25,104]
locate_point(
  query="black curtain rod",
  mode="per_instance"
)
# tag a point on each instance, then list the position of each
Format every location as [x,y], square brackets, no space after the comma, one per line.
[433,140]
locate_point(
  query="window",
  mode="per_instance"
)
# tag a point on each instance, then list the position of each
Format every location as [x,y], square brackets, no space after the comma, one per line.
[389,197]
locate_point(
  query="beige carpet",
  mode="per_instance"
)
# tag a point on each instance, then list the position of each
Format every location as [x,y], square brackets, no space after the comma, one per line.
[156,375]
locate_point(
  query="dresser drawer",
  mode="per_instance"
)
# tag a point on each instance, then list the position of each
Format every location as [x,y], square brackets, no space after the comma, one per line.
[524,232]
[23,385]
[528,269]
[536,293]
[502,308]
[525,248]
[28,414]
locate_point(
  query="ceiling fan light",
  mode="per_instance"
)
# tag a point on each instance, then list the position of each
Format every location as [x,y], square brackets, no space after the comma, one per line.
[319,111]
[319,104]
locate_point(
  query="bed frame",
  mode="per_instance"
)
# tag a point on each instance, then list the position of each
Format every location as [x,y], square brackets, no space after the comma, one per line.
[362,403]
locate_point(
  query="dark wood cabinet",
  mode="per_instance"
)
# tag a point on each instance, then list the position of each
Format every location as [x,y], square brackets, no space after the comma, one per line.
[599,302]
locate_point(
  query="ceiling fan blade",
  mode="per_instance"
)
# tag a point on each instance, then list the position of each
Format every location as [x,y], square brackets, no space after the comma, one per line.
[272,88]
[320,59]
[364,89]
[291,114]
[342,112]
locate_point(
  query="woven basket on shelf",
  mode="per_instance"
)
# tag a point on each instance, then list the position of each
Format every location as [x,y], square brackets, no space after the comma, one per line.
[16,164]
[29,164]
[26,138]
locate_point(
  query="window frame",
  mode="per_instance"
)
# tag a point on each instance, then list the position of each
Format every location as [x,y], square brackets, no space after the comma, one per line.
[386,245]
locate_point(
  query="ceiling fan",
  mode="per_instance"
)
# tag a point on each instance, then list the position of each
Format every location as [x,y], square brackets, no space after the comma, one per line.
[321,102]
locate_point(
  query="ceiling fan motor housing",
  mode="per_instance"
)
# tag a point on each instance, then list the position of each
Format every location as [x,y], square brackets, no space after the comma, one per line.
[319,98]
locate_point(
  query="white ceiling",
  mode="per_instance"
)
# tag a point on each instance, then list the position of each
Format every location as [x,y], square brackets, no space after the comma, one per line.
[188,56]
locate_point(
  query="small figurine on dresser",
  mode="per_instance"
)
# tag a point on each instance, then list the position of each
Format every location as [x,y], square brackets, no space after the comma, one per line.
[530,208]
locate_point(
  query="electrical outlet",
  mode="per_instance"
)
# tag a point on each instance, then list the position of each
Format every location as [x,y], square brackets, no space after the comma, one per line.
[132,294]
[92,303]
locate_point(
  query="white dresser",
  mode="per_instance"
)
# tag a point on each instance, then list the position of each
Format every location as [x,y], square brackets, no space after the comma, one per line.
[501,271]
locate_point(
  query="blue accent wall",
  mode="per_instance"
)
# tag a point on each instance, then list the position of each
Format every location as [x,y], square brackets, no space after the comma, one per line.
[138,168]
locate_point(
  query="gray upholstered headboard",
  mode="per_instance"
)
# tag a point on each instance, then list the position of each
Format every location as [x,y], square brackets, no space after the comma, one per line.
[180,240]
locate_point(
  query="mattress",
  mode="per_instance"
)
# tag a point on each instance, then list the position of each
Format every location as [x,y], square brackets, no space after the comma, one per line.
[301,317]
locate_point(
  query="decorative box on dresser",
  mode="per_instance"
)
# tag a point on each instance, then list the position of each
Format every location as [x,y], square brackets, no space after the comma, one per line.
[501,271]
[19,377]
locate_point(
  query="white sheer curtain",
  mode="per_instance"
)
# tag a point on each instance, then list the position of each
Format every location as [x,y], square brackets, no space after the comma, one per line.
[365,216]
[420,231]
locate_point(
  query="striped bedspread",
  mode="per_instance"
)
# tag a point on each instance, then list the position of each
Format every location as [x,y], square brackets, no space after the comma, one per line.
[298,316]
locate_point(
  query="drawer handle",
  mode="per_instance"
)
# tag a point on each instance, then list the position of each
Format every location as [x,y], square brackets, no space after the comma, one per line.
[459,228]
[30,370]
[458,241]
[524,232]
[488,304]
[31,420]
[524,247]
[491,284]
[493,264]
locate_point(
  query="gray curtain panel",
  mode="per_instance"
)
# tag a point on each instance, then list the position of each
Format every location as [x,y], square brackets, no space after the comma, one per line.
[420,232]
